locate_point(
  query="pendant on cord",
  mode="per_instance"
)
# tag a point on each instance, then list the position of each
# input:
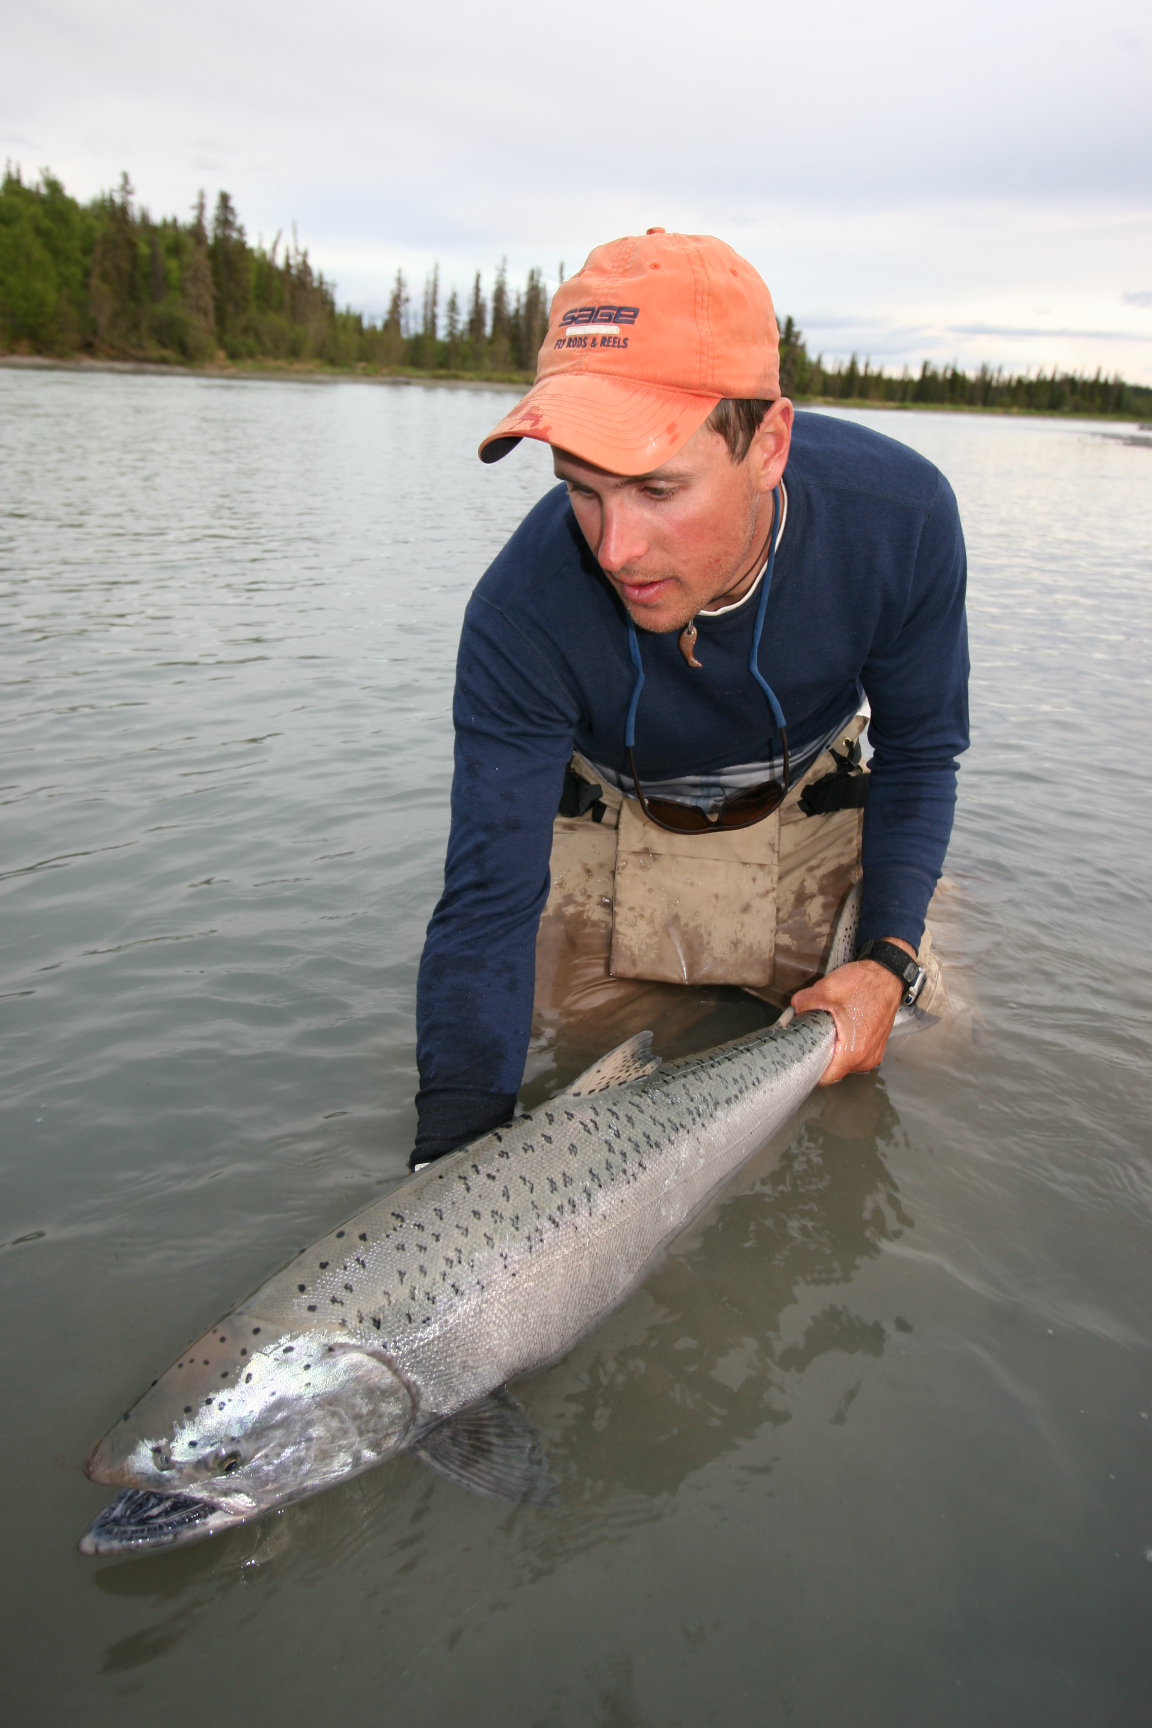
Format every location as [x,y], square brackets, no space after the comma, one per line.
[688,643]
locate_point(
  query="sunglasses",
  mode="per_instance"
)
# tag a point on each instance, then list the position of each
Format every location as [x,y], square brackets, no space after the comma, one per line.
[743,809]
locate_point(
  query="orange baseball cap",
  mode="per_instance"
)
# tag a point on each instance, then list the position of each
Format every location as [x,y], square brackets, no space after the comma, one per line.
[641,346]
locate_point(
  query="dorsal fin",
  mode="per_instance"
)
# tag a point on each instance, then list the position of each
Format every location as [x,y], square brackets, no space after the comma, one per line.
[630,1061]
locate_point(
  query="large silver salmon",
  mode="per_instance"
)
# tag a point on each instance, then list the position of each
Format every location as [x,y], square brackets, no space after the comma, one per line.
[398,1331]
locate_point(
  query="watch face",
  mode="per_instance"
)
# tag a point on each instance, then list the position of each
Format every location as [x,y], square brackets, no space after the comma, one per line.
[915,985]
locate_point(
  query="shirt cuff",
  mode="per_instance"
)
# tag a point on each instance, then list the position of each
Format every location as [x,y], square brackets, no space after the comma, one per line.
[450,1116]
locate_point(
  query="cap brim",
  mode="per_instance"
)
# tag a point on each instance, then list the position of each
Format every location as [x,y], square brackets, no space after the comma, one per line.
[622,426]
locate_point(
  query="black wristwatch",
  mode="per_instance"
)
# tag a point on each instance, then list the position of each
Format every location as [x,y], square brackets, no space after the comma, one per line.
[903,966]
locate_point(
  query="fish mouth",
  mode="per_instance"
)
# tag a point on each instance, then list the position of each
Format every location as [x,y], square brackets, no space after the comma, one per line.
[140,1521]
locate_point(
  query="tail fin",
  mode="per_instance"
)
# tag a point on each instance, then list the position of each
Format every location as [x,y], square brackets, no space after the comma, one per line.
[845,935]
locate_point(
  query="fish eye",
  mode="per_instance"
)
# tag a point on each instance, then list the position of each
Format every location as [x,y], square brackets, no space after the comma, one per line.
[230,1463]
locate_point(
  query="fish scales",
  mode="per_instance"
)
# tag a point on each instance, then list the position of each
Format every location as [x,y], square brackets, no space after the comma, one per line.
[496,1260]
[483,1266]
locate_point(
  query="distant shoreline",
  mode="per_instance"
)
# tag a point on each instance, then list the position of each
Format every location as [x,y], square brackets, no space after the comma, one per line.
[401,377]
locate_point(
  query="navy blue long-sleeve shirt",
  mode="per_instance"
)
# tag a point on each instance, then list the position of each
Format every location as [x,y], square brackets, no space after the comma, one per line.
[867,597]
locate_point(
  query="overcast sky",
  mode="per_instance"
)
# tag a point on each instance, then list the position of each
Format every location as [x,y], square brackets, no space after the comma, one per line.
[970,182]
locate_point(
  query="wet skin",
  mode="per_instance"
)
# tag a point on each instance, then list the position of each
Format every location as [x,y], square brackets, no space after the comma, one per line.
[689,537]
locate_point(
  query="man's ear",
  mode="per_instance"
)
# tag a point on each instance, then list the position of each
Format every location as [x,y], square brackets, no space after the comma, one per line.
[770,447]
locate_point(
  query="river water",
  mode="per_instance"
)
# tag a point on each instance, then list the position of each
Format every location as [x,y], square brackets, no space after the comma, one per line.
[875,1444]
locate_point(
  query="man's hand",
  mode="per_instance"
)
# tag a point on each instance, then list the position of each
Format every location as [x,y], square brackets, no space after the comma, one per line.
[862,998]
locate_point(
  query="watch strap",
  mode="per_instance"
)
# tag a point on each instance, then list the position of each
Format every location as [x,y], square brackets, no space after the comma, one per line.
[901,965]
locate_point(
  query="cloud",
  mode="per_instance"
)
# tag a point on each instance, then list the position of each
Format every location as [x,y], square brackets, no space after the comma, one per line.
[394,134]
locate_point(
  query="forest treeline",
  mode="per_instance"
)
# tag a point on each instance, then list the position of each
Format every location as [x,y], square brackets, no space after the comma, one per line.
[105,279]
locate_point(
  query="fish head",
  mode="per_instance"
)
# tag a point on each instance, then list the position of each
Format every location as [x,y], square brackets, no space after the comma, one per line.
[253,1416]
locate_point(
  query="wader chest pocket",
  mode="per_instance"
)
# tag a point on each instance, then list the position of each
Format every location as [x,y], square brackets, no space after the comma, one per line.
[695,908]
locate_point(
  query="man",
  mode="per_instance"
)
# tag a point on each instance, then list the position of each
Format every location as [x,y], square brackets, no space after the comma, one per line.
[672,652]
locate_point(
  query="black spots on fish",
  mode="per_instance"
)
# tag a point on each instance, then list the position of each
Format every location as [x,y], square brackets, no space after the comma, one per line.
[550,1119]
[224,1375]
[247,1379]
[408,1312]
[505,1154]
[311,1307]
[435,1235]
[566,1179]
[491,1240]
[301,1288]
[547,1137]
[340,1233]
[463,1229]
[363,1236]
[552,1188]
[491,1175]
[255,1331]
[455,1287]
[193,1444]
[417,1225]
[573,1149]
[400,1248]
[571,1115]
[207,1400]
[223,1340]
[475,1214]
[553,1220]
[336,1301]
[244,1350]
[401,1275]
[348,1287]
[324,1264]
[399,1217]
[496,1135]
[376,1321]
[439,1211]
[475,1169]
[288,1349]
[363,1264]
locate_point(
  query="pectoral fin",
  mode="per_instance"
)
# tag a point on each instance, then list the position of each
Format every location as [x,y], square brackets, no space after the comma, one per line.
[632,1060]
[490,1448]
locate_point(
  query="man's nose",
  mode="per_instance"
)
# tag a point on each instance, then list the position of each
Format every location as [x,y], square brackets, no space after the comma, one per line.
[624,540]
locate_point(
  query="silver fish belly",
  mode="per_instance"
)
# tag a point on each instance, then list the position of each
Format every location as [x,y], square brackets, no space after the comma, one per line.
[485,1265]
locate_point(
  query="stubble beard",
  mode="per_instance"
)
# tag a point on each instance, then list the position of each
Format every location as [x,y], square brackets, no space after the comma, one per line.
[666,622]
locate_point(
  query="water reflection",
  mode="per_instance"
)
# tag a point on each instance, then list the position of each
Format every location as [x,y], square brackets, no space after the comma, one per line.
[699,1361]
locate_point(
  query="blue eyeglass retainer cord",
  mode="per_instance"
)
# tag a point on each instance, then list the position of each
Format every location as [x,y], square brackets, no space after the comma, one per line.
[753,658]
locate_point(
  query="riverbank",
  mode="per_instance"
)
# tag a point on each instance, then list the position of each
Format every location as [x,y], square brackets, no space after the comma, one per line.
[309,372]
